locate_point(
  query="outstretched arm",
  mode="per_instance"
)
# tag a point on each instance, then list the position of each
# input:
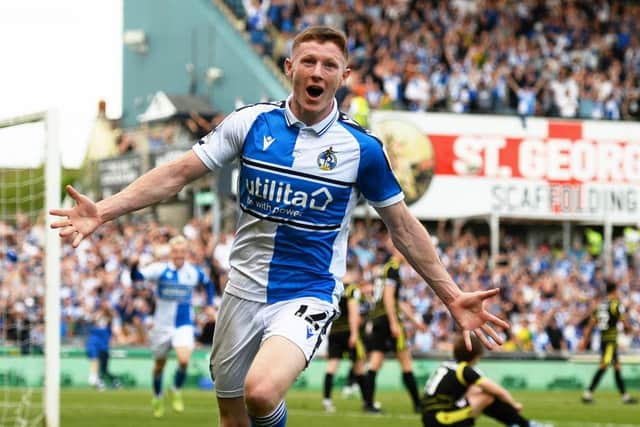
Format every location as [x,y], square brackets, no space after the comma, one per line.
[154,186]
[414,242]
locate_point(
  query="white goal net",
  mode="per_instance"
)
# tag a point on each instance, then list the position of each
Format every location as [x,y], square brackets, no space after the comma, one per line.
[29,271]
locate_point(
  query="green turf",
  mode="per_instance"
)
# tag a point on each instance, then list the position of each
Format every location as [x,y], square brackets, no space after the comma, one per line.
[124,408]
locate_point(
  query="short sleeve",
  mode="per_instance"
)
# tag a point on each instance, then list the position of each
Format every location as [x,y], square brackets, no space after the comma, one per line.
[392,277]
[471,376]
[375,178]
[224,143]
[152,271]
[352,292]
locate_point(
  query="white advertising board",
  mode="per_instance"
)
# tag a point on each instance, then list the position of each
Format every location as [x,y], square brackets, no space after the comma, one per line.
[470,165]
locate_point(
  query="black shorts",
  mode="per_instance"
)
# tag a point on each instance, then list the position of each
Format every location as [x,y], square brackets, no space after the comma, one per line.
[339,347]
[381,338]
[608,353]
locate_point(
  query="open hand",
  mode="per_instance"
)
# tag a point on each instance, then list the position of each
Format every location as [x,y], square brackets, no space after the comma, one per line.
[79,221]
[468,310]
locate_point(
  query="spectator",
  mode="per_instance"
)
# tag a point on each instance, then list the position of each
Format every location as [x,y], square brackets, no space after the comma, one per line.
[125,143]
[451,56]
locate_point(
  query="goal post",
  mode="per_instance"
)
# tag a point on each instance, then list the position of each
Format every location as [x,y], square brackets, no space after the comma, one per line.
[33,168]
[52,275]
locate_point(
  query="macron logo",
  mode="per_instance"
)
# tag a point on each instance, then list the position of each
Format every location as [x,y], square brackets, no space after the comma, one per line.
[267,141]
[309,332]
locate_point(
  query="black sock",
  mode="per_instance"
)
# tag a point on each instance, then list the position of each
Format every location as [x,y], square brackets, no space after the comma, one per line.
[370,388]
[619,381]
[351,379]
[328,385]
[410,383]
[596,379]
[505,413]
[103,363]
[362,383]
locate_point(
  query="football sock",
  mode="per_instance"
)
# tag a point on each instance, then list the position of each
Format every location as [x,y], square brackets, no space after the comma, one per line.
[278,418]
[328,385]
[505,413]
[352,378]
[181,375]
[410,383]
[596,379]
[157,385]
[103,363]
[362,382]
[370,388]
[619,381]
[103,360]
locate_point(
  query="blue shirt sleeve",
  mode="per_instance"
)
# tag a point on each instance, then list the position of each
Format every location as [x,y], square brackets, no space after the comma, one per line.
[375,178]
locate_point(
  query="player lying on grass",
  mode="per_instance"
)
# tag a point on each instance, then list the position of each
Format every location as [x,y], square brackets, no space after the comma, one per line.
[457,393]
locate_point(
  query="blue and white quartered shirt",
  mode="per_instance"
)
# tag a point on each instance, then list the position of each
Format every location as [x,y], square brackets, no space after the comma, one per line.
[174,292]
[297,188]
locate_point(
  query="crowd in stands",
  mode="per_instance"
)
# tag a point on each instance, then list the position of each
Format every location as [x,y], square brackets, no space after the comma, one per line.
[547,294]
[98,268]
[559,58]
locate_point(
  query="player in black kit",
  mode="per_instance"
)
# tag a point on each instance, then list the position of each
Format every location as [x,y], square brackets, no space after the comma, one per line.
[606,318]
[344,337]
[457,393]
[387,333]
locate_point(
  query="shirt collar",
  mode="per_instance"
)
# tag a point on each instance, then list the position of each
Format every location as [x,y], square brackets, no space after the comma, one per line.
[319,128]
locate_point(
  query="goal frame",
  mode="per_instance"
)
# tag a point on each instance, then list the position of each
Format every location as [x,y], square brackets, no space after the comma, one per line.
[52,165]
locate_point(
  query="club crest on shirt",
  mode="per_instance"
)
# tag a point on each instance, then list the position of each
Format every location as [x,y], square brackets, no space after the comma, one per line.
[327,160]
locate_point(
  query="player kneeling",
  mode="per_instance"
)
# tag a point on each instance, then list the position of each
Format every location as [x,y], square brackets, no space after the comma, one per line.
[457,393]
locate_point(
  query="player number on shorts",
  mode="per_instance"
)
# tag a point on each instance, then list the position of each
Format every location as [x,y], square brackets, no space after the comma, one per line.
[315,320]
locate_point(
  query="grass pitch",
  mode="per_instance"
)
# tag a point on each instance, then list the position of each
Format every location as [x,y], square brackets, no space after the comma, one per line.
[132,408]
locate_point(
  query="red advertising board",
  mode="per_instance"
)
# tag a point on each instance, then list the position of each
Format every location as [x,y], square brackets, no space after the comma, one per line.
[581,170]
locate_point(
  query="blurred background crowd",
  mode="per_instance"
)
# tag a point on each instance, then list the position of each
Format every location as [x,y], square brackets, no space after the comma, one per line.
[548,295]
[563,58]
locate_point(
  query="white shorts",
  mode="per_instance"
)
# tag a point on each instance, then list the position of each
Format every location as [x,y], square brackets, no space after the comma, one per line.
[243,325]
[163,340]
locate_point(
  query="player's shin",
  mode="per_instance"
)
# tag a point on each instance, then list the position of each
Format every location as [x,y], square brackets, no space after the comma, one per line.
[180,376]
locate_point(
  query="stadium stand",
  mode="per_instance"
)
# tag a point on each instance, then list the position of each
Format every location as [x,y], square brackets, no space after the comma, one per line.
[547,294]
[548,58]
